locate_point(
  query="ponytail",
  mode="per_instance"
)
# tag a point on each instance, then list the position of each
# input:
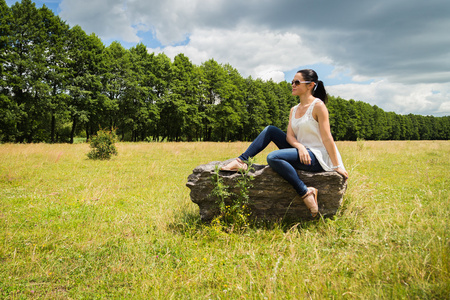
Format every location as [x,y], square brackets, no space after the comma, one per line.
[320,92]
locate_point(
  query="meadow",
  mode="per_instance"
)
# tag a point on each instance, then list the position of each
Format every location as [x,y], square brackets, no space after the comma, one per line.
[74,228]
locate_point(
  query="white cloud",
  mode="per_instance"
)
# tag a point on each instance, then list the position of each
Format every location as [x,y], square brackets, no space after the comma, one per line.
[445,108]
[427,99]
[276,76]
[260,54]
[172,20]
[106,18]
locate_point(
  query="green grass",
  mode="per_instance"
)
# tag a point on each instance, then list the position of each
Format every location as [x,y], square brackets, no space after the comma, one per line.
[73,228]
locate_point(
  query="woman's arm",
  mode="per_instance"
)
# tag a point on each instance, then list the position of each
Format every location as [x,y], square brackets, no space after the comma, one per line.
[322,117]
[292,140]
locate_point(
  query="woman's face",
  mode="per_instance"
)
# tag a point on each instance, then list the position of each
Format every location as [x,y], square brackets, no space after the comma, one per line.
[300,89]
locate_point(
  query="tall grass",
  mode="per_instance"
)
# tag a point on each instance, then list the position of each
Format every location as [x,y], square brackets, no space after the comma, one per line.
[126,228]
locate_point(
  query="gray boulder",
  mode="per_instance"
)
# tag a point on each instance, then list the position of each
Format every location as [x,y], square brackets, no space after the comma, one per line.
[271,197]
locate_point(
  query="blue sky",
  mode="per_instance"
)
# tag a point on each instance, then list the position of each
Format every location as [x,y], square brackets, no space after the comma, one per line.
[393,54]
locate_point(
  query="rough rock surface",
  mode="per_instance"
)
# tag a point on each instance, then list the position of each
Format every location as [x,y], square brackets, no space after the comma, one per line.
[271,197]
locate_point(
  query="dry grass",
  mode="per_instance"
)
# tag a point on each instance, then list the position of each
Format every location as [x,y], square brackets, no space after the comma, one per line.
[126,228]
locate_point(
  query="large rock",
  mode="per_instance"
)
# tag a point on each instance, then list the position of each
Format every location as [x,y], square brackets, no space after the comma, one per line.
[271,197]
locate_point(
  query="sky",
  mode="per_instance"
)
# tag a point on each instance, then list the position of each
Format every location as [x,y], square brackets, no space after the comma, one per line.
[391,53]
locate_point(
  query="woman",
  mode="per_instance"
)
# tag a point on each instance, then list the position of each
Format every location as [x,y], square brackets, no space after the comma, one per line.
[308,144]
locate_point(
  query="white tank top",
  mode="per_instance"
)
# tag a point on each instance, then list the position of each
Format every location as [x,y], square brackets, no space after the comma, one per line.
[307,133]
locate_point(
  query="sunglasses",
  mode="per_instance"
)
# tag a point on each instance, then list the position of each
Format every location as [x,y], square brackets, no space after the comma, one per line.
[297,82]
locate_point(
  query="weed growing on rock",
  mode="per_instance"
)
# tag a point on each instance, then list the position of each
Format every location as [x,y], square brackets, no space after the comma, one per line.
[234,210]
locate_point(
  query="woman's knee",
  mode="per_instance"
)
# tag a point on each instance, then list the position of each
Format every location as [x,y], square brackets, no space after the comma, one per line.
[271,131]
[271,128]
[272,158]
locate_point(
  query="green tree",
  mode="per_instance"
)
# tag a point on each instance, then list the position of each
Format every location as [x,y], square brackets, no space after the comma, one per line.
[257,112]
[24,69]
[10,113]
[179,109]
[141,96]
[239,91]
[338,117]
[442,130]
[5,21]
[425,127]
[414,132]
[394,126]
[227,112]
[116,82]
[274,105]
[223,104]
[162,71]
[87,103]
[367,125]
[214,76]
[380,128]
[56,67]
[353,131]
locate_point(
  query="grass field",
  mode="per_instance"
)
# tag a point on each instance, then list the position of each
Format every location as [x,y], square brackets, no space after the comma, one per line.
[73,228]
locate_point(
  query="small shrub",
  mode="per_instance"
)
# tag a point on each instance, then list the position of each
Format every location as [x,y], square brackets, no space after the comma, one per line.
[102,145]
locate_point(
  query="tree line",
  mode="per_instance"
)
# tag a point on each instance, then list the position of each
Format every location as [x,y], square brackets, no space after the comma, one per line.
[57,83]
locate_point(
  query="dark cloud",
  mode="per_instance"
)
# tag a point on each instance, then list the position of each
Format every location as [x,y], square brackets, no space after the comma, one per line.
[406,41]
[398,39]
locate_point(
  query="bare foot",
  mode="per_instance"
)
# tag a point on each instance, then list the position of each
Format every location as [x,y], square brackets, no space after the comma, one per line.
[235,165]
[310,199]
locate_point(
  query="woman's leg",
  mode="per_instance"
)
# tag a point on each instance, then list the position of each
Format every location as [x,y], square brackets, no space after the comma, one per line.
[269,134]
[286,163]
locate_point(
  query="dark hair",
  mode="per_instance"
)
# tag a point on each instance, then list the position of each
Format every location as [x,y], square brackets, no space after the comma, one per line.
[319,92]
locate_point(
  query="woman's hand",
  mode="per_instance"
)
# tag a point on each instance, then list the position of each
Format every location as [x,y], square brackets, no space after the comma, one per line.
[303,154]
[342,172]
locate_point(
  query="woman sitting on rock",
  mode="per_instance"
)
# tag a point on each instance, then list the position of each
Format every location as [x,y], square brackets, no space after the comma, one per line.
[308,144]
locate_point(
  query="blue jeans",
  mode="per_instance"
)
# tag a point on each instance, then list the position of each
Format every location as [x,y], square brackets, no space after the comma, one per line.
[285,161]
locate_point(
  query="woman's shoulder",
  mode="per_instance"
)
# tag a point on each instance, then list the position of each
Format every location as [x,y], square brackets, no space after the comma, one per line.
[319,104]
[319,109]
[293,108]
